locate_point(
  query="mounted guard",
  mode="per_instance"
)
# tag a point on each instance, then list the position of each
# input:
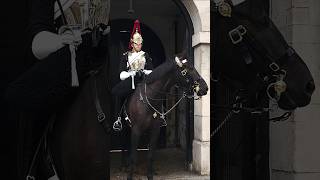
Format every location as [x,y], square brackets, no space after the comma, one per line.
[134,65]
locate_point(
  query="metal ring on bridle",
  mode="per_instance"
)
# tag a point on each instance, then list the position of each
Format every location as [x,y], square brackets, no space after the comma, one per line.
[269,96]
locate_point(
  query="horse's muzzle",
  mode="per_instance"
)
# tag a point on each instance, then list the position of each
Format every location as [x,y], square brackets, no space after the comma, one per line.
[202,91]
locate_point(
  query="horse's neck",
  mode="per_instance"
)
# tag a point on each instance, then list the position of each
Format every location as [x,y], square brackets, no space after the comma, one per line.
[162,85]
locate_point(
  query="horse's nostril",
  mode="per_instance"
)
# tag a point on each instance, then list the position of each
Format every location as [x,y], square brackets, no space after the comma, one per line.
[310,87]
[206,89]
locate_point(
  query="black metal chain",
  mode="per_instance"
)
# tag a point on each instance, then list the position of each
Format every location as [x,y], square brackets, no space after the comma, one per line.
[222,123]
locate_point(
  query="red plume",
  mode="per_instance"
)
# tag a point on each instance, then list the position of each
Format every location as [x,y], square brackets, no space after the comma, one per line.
[135,26]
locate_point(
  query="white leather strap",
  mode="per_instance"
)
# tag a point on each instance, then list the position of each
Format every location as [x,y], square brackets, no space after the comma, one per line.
[65,5]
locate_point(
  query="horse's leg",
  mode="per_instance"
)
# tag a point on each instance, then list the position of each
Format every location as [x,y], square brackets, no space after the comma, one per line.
[125,149]
[135,136]
[123,165]
[152,147]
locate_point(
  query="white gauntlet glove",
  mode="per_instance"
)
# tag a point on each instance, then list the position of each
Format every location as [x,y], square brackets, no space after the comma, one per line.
[124,74]
[45,43]
[147,72]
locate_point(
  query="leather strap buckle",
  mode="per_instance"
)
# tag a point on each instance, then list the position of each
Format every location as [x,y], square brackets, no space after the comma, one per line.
[236,35]
[274,67]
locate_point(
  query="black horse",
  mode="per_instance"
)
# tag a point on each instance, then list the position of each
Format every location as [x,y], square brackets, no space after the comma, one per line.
[252,64]
[76,141]
[79,141]
[249,48]
[143,107]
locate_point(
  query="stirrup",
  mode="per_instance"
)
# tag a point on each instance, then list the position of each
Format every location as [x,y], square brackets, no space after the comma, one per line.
[117,125]
[30,177]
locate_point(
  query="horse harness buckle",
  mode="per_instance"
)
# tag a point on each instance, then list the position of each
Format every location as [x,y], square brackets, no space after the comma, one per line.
[274,67]
[236,34]
[184,72]
[101,117]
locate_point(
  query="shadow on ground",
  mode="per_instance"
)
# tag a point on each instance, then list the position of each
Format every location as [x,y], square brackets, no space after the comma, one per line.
[169,164]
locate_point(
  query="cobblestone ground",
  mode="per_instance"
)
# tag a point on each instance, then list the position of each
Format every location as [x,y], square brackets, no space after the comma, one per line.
[169,164]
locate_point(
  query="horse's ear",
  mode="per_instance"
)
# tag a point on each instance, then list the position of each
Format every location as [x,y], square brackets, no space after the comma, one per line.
[179,63]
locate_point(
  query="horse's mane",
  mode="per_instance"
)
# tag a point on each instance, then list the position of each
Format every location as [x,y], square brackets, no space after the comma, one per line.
[160,71]
[254,10]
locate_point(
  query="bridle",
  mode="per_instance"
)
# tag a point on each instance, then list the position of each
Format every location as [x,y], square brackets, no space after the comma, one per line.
[184,73]
[243,40]
[274,75]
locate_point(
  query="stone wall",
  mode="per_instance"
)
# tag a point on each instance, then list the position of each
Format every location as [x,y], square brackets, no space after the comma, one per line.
[294,151]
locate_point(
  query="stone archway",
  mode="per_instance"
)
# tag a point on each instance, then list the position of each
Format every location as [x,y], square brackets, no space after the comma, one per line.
[199,11]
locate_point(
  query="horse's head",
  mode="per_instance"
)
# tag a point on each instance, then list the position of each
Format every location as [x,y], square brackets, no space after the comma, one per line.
[248,46]
[188,77]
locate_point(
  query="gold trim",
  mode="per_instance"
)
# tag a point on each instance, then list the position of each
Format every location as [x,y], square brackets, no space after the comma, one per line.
[224,9]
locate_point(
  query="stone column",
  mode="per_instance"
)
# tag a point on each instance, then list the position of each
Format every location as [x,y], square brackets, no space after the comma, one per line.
[199,11]
[294,144]
[201,142]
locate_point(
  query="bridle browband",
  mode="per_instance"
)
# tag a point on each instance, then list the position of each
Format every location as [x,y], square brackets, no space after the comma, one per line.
[242,39]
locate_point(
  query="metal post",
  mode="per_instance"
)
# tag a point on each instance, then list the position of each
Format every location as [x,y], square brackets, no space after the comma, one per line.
[131,10]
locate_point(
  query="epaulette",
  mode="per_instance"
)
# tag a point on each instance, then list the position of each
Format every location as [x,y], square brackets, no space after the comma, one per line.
[125,53]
